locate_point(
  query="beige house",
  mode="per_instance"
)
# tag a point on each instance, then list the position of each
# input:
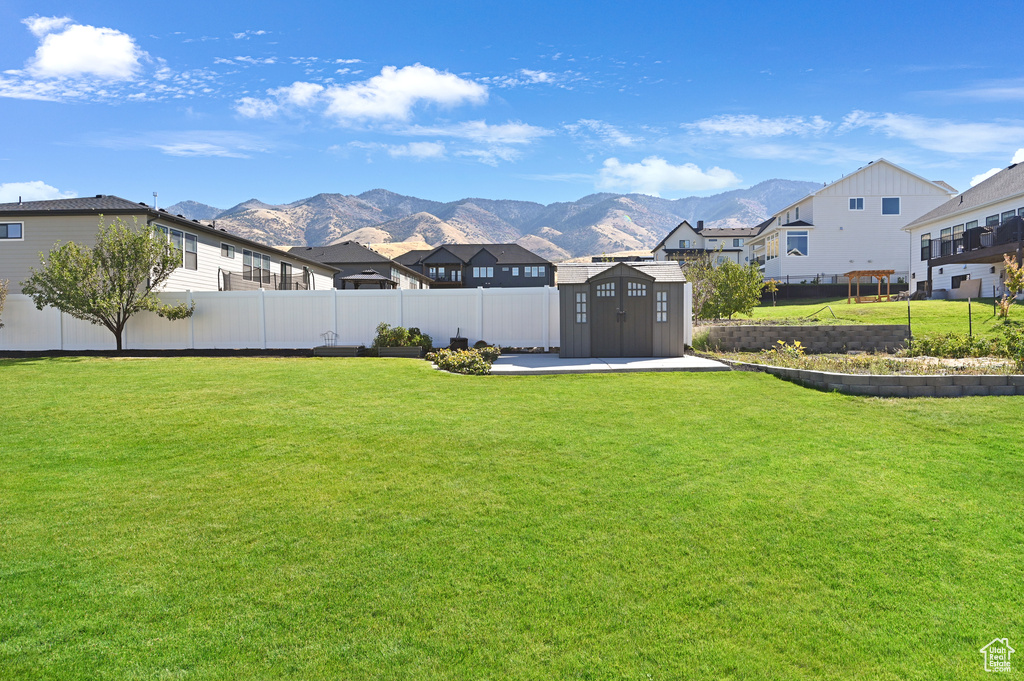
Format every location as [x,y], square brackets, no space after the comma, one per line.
[685,241]
[212,259]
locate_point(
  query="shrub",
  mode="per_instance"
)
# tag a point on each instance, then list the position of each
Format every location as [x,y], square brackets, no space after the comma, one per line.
[3,297]
[489,352]
[955,346]
[480,344]
[470,361]
[399,337]
[1014,339]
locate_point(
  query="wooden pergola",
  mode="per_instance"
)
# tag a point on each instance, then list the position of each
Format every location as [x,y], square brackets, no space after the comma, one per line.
[874,274]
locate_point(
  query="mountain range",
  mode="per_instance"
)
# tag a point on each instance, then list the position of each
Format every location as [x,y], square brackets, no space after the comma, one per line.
[595,224]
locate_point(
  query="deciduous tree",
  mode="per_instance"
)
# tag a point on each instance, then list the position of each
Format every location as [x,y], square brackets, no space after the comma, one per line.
[111,281]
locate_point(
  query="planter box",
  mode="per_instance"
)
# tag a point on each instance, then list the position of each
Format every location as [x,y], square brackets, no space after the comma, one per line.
[414,351]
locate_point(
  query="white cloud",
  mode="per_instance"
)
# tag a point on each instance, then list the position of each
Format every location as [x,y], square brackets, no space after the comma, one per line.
[654,175]
[31,191]
[1018,157]
[978,179]
[394,92]
[298,93]
[480,131]
[245,35]
[418,150]
[40,26]
[348,61]
[194,149]
[492,156]
[537,76]
[605,132]
[250,107]
[78,50]
[748,125]
[938,134]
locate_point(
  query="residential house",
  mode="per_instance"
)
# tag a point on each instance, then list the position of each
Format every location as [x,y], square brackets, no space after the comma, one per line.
[351,259]
[480,265]
[851,224]
[965,238]
[212,259]
[724,243]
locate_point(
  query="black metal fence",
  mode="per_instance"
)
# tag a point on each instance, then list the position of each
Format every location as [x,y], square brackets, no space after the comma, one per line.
[807,291]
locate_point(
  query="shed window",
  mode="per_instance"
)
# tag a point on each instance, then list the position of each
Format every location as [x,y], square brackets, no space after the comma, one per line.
[11,230]
[606,290]
[581,308]
[636,289]
[661,306]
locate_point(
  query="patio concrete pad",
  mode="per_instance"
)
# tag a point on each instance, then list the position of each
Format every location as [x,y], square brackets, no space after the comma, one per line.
[538,364]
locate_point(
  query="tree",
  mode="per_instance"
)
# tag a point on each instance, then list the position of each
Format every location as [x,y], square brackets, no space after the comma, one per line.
[3,298]
[108,283]
[1014,284]
[699,271]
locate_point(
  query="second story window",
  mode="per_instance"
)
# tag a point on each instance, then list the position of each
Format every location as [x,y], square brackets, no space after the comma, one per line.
[891,206]
[796,243]
[857,204]
[11,230]
[737,243]
[255,267]
[926,246]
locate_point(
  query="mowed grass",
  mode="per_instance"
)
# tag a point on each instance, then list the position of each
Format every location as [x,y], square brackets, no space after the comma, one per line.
[928,317]
[373,519]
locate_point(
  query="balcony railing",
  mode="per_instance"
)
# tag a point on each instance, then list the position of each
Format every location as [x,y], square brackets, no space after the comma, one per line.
[1007,232]
[233,281]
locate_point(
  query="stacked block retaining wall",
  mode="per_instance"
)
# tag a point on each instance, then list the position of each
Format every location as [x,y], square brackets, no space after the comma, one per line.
[818,338]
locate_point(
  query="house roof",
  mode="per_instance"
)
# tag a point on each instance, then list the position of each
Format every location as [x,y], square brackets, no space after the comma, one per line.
[367,275]
[505,254]
[673,231]
[757,229]
[353,253]
[1006,183]
[871,164]
[579,273]
[728,232]
[797,223]
[105,204]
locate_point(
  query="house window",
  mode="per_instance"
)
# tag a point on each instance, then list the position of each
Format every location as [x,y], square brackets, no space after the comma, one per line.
[187,246]
[926,246]
[255,267]
[857,204]
[796,243]
[286,276]
[956,281]
[772,247]
[737,243]
[606,290]
[1007,215]
[787,217]
[534,271]
[483,272]
[958,238]
[992,221]
[191,252]
[946,241]
[891,206]
[684,243]
[396,276]
[661,306]
[12,231]
[581,308]
[456,275]
[227,251]
[796,212]
[636,289]
[515,271]
[720,260]
[973,224]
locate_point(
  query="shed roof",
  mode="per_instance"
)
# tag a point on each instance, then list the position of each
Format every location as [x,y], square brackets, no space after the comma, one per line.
[579,273]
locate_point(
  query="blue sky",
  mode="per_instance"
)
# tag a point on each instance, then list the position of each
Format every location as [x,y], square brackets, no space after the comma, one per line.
[545,101]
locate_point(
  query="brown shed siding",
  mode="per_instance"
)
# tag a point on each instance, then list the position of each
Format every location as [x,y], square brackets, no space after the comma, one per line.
[575,338]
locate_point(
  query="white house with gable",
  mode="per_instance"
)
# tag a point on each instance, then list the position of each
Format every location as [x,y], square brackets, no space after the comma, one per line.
[851,224]
[721,243]
[965,238]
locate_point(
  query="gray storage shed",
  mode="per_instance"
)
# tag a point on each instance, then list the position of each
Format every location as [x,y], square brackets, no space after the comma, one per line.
[623,310]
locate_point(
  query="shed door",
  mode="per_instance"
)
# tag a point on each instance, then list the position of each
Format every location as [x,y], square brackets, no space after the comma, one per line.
[621,325]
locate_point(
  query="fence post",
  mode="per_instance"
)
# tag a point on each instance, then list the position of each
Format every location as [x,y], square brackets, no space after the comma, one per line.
[479,313]
[191,322]
[60,325]
[401,308]
[263,319]
[547,318]
[334,308]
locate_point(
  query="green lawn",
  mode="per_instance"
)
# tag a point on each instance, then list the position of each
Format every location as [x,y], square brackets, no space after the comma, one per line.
[928,317]
[372,519]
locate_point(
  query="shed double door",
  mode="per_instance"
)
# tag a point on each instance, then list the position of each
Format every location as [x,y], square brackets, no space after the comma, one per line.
[622,318]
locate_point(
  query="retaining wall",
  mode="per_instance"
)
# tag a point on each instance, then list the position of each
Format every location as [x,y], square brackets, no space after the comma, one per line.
[896,385]
[819,338]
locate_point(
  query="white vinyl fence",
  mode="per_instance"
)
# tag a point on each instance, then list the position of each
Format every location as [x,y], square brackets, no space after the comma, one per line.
[511,317]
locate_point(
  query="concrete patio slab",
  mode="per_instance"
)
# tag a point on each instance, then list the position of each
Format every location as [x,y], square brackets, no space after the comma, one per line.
[539,364]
